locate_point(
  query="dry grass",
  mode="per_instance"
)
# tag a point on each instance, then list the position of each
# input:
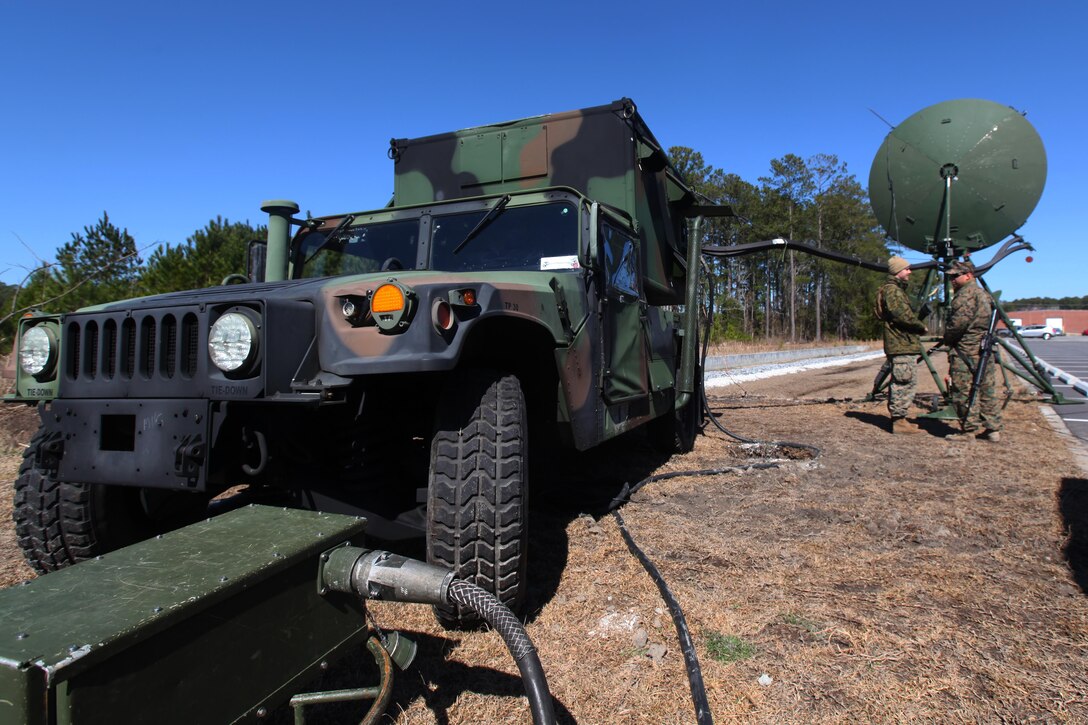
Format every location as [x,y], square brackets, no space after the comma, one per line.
[893,579]
[740,347]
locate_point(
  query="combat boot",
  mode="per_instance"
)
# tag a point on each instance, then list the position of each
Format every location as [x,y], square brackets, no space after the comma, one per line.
[900,426]
[993,436]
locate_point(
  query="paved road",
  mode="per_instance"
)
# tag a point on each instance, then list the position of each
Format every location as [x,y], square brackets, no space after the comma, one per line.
[1068,355]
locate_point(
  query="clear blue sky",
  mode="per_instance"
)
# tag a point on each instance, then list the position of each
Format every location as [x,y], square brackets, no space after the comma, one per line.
[168,114]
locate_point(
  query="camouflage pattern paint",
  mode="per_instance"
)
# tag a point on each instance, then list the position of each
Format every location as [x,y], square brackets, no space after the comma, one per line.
[902,385]
[607,153]
[349,350]
[967,324]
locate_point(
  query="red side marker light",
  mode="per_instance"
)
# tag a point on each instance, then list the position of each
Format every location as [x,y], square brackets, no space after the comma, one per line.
[442,315]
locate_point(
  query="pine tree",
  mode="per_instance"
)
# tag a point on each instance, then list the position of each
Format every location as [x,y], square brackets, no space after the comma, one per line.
[100,265]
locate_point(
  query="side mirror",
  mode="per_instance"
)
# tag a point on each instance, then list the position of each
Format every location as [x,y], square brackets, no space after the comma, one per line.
[256,256]
[593,246]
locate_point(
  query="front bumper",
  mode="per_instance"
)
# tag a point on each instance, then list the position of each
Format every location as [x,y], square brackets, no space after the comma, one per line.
[154,443]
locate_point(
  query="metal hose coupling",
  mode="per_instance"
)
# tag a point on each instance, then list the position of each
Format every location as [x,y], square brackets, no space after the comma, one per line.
[384,575]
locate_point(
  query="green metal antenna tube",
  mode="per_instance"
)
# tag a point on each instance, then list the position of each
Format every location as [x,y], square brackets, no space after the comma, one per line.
[685,385]
[279,213]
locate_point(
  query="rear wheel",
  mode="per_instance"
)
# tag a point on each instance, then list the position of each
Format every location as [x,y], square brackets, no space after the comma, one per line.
[477,508]
[59,523]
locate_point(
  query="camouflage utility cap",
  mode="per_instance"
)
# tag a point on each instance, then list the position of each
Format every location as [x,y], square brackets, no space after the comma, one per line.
[961,267]
[897,265]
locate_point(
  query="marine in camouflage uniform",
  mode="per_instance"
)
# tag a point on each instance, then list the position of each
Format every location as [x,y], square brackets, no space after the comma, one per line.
[967,324]
[901,343]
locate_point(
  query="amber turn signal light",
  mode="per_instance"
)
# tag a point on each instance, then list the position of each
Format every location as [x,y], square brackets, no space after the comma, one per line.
[387,298]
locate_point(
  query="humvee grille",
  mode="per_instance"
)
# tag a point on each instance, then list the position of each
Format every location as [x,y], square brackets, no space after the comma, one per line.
[109,348]
[190,332]
[169,346]
[136,352]
[128,347]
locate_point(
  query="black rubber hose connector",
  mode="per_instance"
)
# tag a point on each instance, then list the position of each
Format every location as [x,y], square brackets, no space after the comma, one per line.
[509,627]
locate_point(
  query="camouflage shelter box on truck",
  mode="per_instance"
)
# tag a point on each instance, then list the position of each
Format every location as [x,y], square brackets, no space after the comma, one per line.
[529,281]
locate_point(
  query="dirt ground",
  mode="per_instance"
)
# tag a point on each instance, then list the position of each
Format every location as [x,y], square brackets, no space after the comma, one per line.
[888,579]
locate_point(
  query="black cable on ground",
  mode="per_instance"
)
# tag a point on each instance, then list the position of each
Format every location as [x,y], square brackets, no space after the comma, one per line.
[796,402]
[503,621]
[702,387]
[788,444]
[628,491]
[695,672]
[691,660]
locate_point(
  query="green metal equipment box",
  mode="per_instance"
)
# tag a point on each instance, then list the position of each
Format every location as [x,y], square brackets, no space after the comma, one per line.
[210,623]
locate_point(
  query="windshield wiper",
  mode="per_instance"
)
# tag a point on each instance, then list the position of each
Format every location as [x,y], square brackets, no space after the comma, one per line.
[333,236]
[487,219]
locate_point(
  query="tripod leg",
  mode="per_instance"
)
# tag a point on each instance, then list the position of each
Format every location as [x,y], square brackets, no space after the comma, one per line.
[882,379]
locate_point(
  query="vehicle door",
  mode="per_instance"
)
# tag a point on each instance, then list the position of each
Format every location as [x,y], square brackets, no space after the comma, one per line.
[624,315]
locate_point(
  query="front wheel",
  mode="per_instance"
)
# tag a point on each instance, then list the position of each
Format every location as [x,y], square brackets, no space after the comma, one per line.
[60,523]
[477,507]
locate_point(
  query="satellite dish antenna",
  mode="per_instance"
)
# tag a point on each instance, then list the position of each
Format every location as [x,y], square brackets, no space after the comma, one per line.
[957,176]
[954,178]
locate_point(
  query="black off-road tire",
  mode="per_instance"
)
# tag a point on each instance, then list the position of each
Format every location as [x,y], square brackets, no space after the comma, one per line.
[477,500]
[59,524]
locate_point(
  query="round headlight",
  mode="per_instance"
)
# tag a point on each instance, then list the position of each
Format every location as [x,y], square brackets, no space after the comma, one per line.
[232,342]
[37,350]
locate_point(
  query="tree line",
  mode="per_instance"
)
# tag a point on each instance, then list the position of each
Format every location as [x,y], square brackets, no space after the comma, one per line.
[103,264]
[1046,303]
[790,295]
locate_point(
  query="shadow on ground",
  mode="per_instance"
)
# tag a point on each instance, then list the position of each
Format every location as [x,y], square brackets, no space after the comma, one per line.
[1073,504]
[934,427]
[432,678]
[873,419]
[563,485]
[566,486]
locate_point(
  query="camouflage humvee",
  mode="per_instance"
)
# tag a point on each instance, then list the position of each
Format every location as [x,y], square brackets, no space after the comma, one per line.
[528,279]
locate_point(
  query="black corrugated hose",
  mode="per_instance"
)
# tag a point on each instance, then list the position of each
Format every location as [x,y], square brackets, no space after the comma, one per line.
[503,621]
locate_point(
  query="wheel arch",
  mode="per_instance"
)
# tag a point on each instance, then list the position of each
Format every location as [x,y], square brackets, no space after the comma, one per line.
[522,347]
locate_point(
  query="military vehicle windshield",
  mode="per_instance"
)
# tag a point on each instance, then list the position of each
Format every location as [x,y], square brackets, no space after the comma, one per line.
[359,249]
[523,238]
[541,236]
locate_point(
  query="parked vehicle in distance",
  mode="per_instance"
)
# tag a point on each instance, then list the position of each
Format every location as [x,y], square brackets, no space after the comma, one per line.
[1044,331]
[1085,332]
[1004,332]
